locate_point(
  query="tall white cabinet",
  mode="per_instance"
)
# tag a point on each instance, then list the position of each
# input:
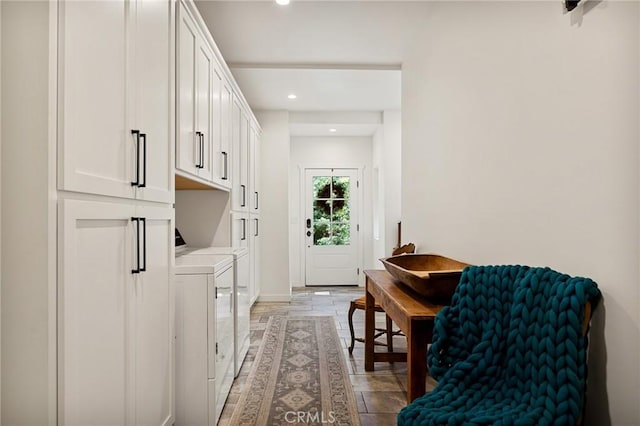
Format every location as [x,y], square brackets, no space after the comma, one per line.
[115,138]
[114,313]
[114,98]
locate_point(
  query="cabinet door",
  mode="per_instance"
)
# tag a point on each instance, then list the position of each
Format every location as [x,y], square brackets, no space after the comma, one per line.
[239,229]
[96,148]
[151,326]
[152,89]
[254,168]
[204,128]
[187,148]
[254,253]
[238,139]
[94,294]
[225,133]
[219,112]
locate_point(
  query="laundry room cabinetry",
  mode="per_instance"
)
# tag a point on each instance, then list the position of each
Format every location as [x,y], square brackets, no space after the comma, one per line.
[114,313]
[203,108]
[254,257]
[115,70]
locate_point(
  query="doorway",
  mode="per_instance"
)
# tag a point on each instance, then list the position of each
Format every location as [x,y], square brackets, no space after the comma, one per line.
[331,226]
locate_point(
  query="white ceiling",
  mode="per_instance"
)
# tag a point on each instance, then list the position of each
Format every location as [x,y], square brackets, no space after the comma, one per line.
[320,89]
[335,56]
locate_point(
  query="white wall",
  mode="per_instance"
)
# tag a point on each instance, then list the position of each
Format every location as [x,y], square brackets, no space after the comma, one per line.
[520,145]
[202,217]
[275,282]
[28,217]
[328,152]
[387,197]
[392,179]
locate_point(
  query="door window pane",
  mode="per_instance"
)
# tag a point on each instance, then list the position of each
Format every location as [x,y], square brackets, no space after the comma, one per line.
[331,213]
[321,186]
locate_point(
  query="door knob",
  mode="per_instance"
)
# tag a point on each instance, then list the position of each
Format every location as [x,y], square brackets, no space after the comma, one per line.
[308,223]
[308,233]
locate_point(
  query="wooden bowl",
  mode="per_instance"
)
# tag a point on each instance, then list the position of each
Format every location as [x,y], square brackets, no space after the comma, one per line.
[430,275]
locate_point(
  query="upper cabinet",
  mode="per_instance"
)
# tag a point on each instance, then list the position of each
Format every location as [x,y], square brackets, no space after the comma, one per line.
[204,108]
[254,168]
[115,92]
[240,145]
[195,65]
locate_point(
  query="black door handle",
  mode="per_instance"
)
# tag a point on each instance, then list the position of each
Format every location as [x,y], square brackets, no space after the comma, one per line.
[137,269]
[244,229]
[144,244]
[256,234]
[308,233]
[244,195]
[202,150]
[199,156]
[143,137]
[256,192]
[225,176]
[308,223]
[136,134]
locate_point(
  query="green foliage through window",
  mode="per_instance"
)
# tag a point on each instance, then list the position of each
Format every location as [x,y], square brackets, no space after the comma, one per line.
[331,214]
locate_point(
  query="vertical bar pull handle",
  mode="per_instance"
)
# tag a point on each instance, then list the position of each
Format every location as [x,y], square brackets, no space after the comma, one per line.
[199,156]
[244,229]
[137,268]
[202,150]
[256,193]
[225,176]
[136,134]
[256,234]
[143,268]
[244,195]
[143,137]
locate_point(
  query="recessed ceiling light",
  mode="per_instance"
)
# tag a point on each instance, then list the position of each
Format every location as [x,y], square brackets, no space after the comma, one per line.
[282,2]
[292,96]
[333,130]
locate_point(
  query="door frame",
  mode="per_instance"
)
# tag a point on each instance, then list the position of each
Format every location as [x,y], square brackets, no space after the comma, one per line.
[302,169]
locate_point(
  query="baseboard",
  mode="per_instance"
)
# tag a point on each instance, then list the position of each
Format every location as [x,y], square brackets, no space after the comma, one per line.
[274,298]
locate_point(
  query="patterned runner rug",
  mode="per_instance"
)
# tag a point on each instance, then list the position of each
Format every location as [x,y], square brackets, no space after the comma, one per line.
[299,377]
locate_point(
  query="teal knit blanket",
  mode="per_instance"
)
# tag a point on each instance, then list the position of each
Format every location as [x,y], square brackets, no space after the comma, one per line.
[508,351]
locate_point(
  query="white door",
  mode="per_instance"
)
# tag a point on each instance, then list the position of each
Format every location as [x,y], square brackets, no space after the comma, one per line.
[204,128]
[94,294]
[97,149]
[187,145]
[254,253]
[151,85]
[152,325]
[331,227]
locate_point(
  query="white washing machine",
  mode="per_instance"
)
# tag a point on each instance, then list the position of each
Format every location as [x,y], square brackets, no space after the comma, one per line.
[204,317]
[242,301]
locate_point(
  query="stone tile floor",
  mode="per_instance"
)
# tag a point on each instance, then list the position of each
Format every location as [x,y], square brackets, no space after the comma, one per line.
[380,394]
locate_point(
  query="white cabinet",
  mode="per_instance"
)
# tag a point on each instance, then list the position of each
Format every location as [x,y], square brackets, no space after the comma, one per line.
[204,342]
[115,314]
[114,76]
[240,139]
[254,257]
[195,67]
[240,229]
[221,114]
[254,168]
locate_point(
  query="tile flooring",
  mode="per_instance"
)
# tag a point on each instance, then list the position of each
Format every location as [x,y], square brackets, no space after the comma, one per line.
[380,394]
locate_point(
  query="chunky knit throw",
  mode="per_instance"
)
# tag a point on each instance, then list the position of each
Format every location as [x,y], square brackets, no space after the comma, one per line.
[508,351]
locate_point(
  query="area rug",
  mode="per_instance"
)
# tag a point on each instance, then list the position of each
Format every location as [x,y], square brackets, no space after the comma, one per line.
[299,376]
